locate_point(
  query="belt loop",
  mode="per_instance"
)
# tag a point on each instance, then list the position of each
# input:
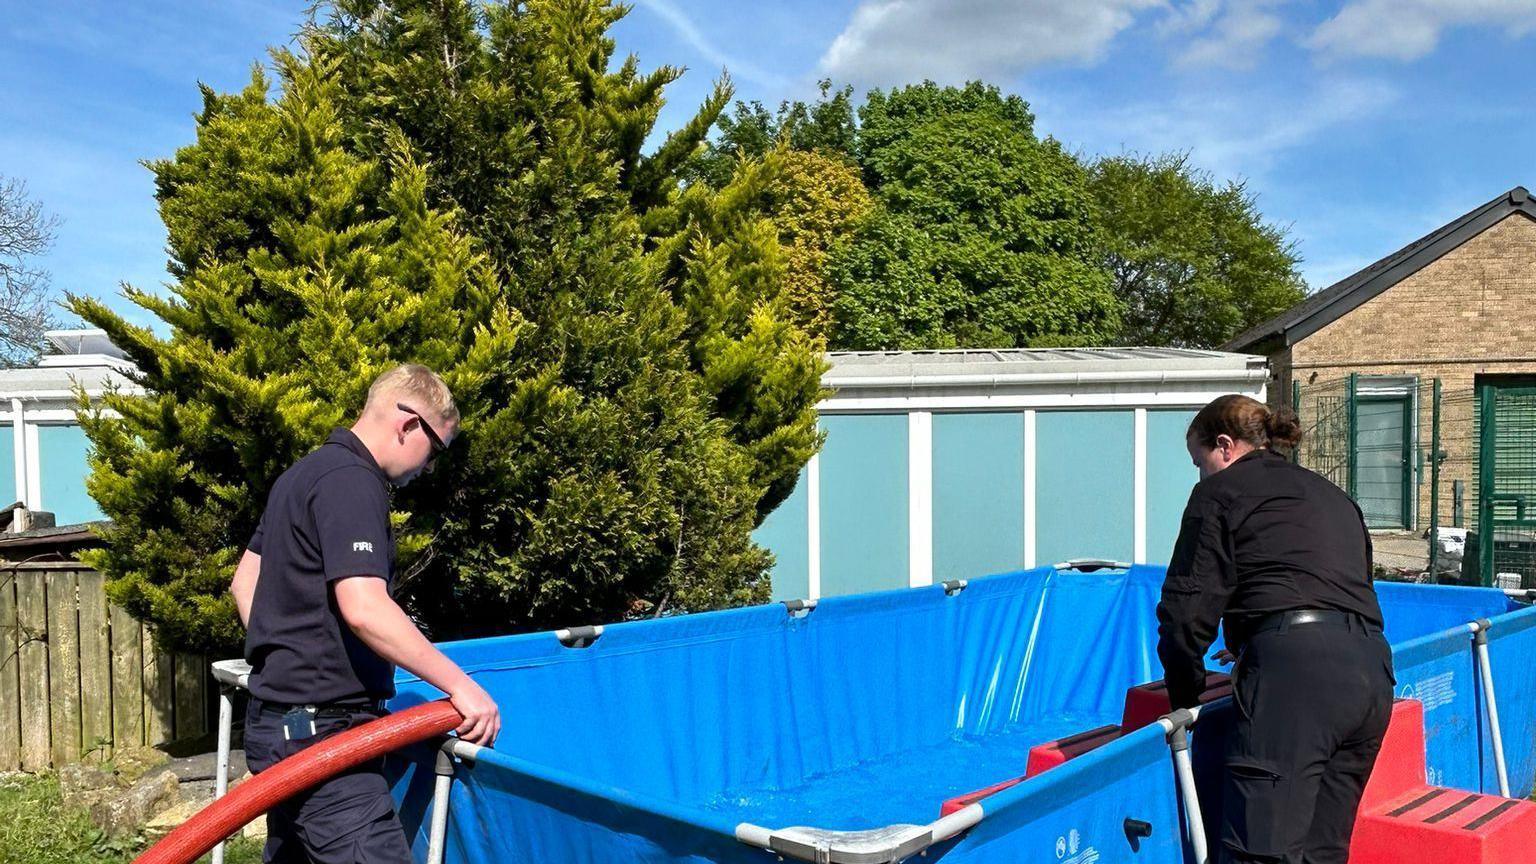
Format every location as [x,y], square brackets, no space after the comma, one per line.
[1285,624]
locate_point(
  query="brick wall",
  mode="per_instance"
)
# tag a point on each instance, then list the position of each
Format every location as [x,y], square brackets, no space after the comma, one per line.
[1477,301]
[1470,313]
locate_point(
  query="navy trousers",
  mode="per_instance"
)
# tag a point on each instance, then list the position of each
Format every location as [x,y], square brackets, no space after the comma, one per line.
[348,819]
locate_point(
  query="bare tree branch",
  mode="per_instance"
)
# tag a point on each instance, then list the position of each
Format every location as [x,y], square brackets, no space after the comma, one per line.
[26,231]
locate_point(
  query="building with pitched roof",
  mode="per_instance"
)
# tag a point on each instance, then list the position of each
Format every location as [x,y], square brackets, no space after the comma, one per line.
[1441,329]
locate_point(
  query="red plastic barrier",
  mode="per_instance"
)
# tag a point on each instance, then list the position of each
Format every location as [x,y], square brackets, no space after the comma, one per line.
[1402,820]
[960,802]
[1435,825]
[1145,703]
[1400,762]
[293,775]
[1044,757]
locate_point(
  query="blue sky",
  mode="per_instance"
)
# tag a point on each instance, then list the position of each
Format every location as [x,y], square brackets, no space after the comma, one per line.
[1360,124]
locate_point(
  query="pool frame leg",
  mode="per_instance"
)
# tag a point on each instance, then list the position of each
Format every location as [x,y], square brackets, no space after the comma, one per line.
[1480,630]
[1177,726]
[221,772]
[437,832]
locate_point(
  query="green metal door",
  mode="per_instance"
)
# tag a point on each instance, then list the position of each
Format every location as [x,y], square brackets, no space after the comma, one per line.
[1383,460]
[1506,513]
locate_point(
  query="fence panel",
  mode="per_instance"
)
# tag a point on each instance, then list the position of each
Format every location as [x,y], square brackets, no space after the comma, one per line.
[190,696]
[158,702]
[95,667]
[127,677]
[32,619]
[79,676]
[64,665]
[10,678]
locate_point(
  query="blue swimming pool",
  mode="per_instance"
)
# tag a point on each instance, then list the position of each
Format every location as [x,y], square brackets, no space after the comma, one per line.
[706,737]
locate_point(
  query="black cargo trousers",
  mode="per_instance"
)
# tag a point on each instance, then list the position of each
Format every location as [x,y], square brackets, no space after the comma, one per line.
[348,819]
[1312,705]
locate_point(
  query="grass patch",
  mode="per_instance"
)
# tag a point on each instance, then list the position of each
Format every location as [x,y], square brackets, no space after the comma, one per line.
[37,828]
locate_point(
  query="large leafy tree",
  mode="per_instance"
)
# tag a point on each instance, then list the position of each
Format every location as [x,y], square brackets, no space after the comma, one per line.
[816,206]
[463,186]
[1194,263]
[814,198]
[984,235]
[978,233]
[825,125]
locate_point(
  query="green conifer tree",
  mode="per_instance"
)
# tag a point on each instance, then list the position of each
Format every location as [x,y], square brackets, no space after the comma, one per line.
[462,186]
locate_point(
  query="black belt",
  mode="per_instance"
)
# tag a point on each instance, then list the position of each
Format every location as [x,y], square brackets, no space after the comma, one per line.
[1299,617]
[339,707]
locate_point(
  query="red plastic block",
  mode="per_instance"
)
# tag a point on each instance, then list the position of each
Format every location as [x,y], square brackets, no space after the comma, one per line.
[1435,825]
[1044,757]
[1404,821]
[960,802]
[1145,703]
[1400,764]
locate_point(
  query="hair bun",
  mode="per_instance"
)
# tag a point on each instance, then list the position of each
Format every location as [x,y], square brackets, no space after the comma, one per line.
[1284,428]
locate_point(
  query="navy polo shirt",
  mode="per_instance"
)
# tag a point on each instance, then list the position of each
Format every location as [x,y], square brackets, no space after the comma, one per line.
[327,518]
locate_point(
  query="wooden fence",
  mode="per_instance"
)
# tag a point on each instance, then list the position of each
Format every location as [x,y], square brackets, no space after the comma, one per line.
[79,675]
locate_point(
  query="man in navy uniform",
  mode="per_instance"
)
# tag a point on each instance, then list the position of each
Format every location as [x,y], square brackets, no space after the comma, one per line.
[324,634]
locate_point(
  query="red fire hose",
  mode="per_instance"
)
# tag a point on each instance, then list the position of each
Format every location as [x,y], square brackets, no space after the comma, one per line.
[293,775]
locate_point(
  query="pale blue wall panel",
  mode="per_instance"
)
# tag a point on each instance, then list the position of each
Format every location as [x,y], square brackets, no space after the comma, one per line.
[61,459]
[978,494]
[8,492]
[864,503]
[785,534]
[1084,485]
[1170,477]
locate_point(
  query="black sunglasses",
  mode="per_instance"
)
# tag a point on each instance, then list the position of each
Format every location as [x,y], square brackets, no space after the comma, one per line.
[437,443]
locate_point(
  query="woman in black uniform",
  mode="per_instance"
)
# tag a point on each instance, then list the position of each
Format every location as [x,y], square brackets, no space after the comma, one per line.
[1282,556]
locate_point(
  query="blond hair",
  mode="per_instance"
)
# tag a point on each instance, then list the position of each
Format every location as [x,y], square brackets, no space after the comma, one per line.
[418,386]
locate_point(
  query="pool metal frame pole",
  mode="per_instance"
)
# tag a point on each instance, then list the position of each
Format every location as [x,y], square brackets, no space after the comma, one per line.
[221,772]
[1090,565]
[890,843]
[1480,630]
[437,832]
[231,675]
[1176,726]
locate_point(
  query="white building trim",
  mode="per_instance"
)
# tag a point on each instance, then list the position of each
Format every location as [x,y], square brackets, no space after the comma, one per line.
[18,420]
[1029,489]
[1139,529]
[813,527]
[919,499]
[857,403]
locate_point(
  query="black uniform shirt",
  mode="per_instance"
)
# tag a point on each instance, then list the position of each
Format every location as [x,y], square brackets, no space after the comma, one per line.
[327,518]
[1261,536]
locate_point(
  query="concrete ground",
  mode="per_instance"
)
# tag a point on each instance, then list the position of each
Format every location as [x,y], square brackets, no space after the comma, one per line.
[1400,552]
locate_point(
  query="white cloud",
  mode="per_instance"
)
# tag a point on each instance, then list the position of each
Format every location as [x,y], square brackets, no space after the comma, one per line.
[690,33]
[1410,29]
[1231,134]
[1191,17]
[950,41]
[1232,35]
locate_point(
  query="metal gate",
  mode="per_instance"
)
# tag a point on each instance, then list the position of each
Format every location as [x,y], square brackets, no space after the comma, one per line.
[1507,491]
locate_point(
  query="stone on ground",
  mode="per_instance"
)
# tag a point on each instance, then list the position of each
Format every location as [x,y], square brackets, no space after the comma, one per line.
[123,811]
